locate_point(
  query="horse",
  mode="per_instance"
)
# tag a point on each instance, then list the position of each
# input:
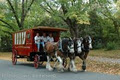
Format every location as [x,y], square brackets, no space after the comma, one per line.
[82,47]
[61,50]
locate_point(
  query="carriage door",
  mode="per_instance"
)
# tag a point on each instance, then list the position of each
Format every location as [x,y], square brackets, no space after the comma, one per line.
[28,38]
[28,42]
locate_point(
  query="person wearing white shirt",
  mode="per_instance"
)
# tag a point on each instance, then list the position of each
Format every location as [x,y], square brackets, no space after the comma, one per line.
[50,38]
[37,39]
[44,39]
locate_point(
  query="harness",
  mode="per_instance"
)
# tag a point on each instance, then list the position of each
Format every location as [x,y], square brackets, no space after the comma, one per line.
[60,46]
[85,49]
[76,44]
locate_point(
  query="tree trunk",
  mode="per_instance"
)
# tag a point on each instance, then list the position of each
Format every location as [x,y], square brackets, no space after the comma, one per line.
[71,32]
[116,27]
[74,31]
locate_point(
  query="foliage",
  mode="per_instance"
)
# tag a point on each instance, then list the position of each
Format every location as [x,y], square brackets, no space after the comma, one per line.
[98,18]
[71,12]
[6,43]
[112,46]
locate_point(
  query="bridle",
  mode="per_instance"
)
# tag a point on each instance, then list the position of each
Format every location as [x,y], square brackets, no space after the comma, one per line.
[79,46]
[70,43]
[69,46]
[88,43]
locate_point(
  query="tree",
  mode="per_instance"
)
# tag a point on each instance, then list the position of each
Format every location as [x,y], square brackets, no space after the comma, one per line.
[108,10]
[24,5]
[71,12]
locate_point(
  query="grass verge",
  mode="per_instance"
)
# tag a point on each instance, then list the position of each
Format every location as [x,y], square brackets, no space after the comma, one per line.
[103,53]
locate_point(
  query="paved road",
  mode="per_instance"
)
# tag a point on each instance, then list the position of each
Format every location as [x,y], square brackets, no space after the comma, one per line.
[103,59]
[26,71]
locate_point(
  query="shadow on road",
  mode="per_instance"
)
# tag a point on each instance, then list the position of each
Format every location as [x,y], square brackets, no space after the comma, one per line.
[44,67]
[31,65]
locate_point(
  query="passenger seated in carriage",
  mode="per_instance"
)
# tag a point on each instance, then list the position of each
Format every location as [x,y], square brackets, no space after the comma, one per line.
[50,38]
[37,39]
[42,39]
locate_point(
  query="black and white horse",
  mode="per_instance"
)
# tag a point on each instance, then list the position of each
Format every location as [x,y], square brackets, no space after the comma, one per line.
[82,47]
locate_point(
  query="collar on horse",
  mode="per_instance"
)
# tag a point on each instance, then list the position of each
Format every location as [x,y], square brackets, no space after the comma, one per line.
[85,49]
[60,47]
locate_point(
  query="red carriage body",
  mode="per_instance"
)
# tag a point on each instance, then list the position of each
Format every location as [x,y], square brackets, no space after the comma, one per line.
[24,45]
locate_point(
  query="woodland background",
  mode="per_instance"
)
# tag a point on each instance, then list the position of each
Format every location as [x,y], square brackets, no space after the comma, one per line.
[98,18]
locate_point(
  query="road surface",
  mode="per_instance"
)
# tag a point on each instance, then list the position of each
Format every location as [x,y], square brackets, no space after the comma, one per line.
[26,71]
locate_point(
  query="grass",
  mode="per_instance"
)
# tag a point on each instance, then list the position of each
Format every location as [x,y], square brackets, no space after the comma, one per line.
[8,56]
[5,55]
[103,53]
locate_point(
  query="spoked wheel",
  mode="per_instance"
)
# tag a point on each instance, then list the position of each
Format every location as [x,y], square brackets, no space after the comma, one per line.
[14,57]
[64,63]
[36,61]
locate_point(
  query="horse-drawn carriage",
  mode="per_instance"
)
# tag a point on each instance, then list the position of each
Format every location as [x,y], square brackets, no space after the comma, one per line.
[23,45]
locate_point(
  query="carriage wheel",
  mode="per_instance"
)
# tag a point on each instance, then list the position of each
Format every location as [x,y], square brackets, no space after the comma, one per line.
[64,63]
[36,61]
[14,57]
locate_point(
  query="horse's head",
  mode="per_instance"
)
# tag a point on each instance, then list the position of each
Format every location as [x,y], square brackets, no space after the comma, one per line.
[66,45]
[87,43]
[90,42]
[71,45]
[78,42]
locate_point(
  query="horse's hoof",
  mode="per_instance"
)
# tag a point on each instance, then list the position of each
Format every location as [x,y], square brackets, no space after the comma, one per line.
[61,70]
[54,68]
[83,68]
[50,69]
[68,69]
[74,70]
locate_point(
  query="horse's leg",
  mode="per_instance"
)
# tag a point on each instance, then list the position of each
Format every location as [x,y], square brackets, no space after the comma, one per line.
[84,65]
[61,67]
[48,66]
[84,61]
[72,64]
[56,61]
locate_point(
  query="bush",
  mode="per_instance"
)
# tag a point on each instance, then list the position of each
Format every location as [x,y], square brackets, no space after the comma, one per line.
[112,46]
[6,44]
[98,46]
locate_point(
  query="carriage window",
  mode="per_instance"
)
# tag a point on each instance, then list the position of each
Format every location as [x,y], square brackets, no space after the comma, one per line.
[23,37]
[19,38]
[28,36]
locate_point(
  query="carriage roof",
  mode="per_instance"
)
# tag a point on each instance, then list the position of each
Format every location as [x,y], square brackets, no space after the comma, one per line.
[46,28]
